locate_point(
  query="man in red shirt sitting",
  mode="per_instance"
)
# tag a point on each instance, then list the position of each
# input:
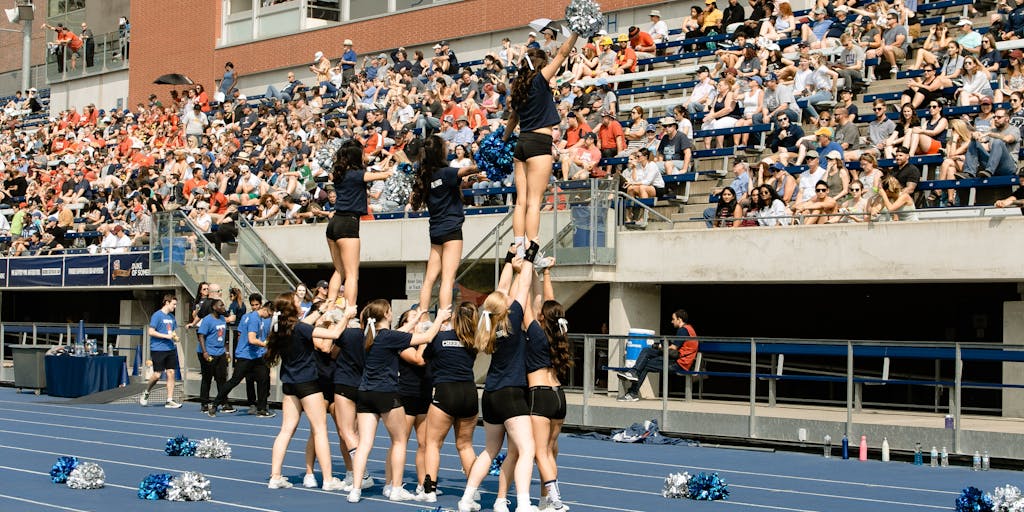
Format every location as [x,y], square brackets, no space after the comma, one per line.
[651,358]
[642,43]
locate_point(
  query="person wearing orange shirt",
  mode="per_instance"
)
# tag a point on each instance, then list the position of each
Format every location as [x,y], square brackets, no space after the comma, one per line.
[477,116]
[90,116]
[611,139]
[195,182]
[452,109]
[625,58]
[642,43]
[682,353]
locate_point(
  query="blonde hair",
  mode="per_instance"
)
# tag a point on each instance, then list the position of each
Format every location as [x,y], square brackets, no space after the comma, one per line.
[496,306]
[961,129]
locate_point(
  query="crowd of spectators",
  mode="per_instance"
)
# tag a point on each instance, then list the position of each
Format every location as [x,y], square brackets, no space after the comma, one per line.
[105,173]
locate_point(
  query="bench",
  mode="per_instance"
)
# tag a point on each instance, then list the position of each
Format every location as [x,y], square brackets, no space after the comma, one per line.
[971,184]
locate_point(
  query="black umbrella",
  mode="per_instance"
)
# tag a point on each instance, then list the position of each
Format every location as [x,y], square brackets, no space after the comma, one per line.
[173,79]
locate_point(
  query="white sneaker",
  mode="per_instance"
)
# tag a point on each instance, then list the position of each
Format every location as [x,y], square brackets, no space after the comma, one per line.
[171,404]
[346,484]
[334,484]
[400,494]
[387,491]
[144,400]
[473,506]
[367,482]
[426,497]
[526,508]
[556,506]
[543,504]
[355,495]
[501,505]
[309,481]
[279,483]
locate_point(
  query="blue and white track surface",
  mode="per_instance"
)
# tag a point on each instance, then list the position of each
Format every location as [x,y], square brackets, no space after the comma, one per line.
[128,441]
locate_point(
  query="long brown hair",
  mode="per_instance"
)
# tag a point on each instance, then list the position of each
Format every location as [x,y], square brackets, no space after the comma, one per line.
[348,157]
[526,74]
[434,158]
[551,315]
[464,320]
[373,313]
[286,316]
[496,308]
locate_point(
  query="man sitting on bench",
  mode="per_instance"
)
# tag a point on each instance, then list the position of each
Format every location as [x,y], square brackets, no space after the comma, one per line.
[650,358]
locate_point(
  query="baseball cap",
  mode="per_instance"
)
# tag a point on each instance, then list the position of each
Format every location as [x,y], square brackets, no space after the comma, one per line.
[606,113]
[964,21]
[826,131]
[770,77]
[590,135]
[347,42]
[777,166]
[814,154]
[703,69]
[623,38]
[668,121]
[322,284]
[834,155]
[532,34]
[606,41]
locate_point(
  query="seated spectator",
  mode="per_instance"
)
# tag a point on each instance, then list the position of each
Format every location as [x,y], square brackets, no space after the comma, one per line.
[703,94]
[652,358]
[625,57]
[994,153]
[691,27]
[580,161]
[1013,80]
[675,149]
[856,208]
[773,212]
[813,33]
[933,49]
[752,103]
[896,202]
[976,83]
[813,210]
[611,140]
[637,129]
[643,179]
[642,43]
[900,137]
[725,112]
[738,188]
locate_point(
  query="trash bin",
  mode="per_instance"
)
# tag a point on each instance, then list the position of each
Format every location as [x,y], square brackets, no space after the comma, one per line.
[29,366]
[581,220]
[638,340]
[174,249]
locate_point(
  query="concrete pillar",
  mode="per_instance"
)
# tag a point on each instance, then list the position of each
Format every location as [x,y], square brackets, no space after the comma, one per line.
[1013,373]
[630,306]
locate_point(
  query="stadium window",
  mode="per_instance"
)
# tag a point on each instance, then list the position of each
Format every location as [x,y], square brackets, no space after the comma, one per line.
[58,7]
[366,8]
[237,6]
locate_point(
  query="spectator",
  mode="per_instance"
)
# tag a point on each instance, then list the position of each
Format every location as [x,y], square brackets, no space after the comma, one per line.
[625,57]
[847,134]
[739,188]
[993,153]
[724,113]
[851,62]
[976,83]
[907,174]
[814,33]
[642,43]
[229,82]
[752,103]
[897,202]
[778,99]
[89,43]
[930,137]
[895,43]
[675,149]
[813,210]
[644,179]
[774,212]
[580,161]
[659,29]
[704,92]
[691,27]
[733,14]
[681,352]
[611,139]
[124,37]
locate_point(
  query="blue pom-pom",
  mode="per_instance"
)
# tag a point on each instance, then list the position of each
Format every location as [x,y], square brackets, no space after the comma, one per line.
[62,469]
[154,487]
[495,155]
[180,447]
[708,487]
[496,464]
[406,168]
[973,499]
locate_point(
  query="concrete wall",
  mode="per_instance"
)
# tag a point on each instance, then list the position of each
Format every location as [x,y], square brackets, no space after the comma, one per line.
[104,91]
[1013,373]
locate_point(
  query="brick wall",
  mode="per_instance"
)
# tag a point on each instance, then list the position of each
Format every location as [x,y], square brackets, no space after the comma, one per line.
[180,36]
[10,43]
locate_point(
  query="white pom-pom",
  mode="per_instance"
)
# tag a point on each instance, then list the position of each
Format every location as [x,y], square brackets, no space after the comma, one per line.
[87,475]
[189,486]
[213,448]
[677,485]
[584,17]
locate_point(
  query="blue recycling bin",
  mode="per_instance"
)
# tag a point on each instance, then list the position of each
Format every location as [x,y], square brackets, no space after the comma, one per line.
[581,220]
[638,340]
[174,249]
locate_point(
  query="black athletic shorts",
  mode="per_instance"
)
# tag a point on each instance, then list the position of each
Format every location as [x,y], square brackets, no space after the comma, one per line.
[547,402]
[415,405]
[327,388]
[164,360]
[457,399]
[503,404]
[532,144]
[454,235]
[350,392]
[302,389]
[343,225]
[377,402]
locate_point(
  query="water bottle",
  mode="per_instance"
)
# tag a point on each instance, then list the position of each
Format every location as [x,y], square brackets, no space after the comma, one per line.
[976,461]
[933,458]
[846,447]
[80,348]
[828,446]
[918,457]
[986,461]
[944,458]
[863,455]
[885,449]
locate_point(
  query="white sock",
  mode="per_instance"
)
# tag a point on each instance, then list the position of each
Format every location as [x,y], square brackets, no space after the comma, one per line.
[552,488]
[520,242]
[522,499]
[468,494]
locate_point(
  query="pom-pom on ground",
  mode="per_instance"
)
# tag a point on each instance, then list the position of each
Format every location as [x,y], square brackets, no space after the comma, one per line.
[87,475]
[180,447]
[973,499]
[62,469]
[154,486]
[213,448]
[189,486]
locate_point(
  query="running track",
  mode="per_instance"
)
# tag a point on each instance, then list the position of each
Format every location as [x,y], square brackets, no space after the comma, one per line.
[128,441]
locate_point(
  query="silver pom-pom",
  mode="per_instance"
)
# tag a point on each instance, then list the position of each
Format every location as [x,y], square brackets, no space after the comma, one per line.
[1007,498]
[213,448]
[677,485]
[189,486]
[87,475]
[584,17]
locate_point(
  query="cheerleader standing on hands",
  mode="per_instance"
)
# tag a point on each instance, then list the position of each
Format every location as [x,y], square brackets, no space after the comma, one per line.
[291,343]
[348,372]
[350,181]
[378,391]
[504,404]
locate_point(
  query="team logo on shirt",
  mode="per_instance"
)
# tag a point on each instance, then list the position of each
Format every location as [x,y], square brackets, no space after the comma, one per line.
[452,344]
[168,323]
[220,331]
[435,183]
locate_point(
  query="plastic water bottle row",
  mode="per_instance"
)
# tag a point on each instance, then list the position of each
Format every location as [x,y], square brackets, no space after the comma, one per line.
[980,462]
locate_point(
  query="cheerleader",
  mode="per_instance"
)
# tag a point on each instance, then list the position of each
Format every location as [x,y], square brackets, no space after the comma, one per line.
[439,186]
[504,403]
[378,391]
[291,343]
[324,355]
[348,372]
[451,356]
[414,391]
[533,111]
[350,181]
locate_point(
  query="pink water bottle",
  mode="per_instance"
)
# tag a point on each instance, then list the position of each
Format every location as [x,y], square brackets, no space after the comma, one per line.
[863,447]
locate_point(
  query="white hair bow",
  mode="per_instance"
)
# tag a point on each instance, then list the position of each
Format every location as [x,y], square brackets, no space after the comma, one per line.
[563,325]
[485,320]
[273,320]
[371,327]
[529,62]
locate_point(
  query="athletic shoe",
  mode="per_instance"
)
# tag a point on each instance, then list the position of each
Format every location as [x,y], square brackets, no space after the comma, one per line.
[171,404]
[556,506]
[347,481]
[355,495]
[543,504]
[543,263]
[334,484]
[400,494]
[228,409]
[526,508]
[144,401]
[367,482]
[203,408]
[253,410]
[387,491]
[501,505]
[265,414]
[279,483]
[472,506]
[628,375]
[427,497]
[212,411]
[629,397]
[309,481]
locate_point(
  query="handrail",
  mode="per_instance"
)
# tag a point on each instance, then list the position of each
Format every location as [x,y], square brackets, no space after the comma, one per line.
[624,196]
[266,253]
[171,218]
[499,231]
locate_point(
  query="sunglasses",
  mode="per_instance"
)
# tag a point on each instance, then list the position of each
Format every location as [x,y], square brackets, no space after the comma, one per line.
[1014,100]
[880,109]
[821,190]
[934,106]
[854,190]
[826,118]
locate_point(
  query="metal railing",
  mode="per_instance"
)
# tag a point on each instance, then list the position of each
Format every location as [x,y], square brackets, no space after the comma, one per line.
[257,261]
[180,249]
[105,55]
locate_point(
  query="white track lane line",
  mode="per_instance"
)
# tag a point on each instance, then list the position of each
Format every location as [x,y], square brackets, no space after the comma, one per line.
[136,488]
[480,447]
[412,465]
[40,503]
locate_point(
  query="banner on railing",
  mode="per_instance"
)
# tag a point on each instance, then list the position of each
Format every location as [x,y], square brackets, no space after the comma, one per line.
[131,269]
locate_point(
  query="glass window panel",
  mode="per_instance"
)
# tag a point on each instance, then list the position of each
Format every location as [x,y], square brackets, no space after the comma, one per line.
[236,6]
[365,8]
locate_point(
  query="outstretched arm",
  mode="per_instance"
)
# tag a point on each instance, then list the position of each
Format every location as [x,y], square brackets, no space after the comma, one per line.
[505,280]
[556,62]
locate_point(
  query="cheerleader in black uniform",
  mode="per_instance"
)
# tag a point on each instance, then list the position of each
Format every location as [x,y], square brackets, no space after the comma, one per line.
[348,372]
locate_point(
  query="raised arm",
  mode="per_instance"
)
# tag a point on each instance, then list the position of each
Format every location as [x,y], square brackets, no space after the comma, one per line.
[505,280]
[556,61]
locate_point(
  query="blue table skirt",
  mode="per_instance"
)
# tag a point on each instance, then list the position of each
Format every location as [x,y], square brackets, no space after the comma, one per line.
[71,377]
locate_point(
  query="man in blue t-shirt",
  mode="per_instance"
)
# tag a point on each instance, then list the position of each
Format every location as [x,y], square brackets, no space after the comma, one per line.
[348,63]
[213,359]
[162,351]
[249,364]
